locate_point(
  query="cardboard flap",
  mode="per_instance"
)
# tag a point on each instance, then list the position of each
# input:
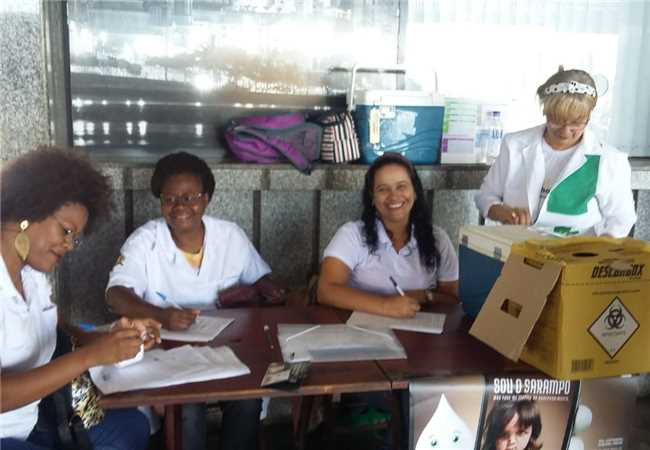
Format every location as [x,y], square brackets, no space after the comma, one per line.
[515,304]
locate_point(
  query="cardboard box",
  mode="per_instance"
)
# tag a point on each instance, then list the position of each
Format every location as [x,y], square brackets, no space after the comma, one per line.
[574,308]
[482,251]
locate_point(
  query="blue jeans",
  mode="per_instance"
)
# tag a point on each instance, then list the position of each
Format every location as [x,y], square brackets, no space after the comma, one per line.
[121,429]
[239,425]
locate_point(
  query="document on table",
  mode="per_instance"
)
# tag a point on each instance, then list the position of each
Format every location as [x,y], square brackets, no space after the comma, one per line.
[340,342]
[204,329]
[161,368]
[423,322]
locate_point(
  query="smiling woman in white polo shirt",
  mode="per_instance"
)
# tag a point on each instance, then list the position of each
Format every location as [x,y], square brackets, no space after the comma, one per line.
[558,175]
[173,267]
[393,248]
[390,261]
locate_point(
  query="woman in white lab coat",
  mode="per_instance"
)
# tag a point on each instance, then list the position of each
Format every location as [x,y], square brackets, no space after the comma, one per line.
[558,175]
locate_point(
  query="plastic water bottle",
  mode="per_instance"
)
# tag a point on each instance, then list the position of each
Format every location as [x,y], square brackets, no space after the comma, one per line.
[480,143]
[494,129]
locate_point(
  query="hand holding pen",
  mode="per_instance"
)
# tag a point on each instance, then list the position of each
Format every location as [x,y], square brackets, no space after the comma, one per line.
[149,329]
[400,305]
[174,317]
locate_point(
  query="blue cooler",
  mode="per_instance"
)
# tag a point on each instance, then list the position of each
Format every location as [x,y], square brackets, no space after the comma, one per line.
[406,122]
[482,250]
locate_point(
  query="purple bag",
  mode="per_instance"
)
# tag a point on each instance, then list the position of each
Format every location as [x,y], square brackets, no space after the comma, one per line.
[275,139]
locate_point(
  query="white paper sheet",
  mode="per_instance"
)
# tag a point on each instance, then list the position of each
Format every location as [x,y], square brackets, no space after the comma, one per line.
[161,368]
[204,329]
[423,322]
[328,343]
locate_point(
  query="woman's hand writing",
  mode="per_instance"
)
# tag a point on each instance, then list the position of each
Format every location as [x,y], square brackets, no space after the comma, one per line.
[175,319]
[400,306]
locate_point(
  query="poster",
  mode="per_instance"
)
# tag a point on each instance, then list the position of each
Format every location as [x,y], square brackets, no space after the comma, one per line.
[521,412]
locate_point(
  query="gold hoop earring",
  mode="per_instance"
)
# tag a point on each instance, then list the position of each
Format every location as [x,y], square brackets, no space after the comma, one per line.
[21,243]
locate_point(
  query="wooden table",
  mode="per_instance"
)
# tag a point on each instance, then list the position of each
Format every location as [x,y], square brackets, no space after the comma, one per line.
[454,352]
[246,337]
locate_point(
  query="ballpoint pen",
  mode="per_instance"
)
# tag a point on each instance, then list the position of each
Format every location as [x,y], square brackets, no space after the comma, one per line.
[293,336]
[269,339]
[397,288]
[164,298]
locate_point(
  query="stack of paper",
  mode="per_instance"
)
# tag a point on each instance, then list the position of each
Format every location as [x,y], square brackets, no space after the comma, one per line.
[327,343]
[422,322]
[204,329]
[161,368]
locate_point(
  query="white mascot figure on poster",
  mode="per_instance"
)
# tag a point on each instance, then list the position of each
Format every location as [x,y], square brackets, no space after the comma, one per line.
[445,430]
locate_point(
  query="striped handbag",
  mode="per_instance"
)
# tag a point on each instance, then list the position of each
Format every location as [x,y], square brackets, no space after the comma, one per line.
[339,142]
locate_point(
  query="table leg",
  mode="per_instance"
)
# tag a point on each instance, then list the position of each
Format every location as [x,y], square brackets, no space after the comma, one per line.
[302,407]
[173,427]
[397,420]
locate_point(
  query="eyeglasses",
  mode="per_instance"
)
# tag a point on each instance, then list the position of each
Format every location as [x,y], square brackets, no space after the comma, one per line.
[69,236]
[184,199]
[572,127]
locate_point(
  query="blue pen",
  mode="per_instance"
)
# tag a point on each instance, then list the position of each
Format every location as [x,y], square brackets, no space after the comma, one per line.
[87,326]
[163,297]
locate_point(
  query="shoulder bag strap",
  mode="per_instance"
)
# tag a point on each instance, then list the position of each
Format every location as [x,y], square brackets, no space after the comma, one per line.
[69,427]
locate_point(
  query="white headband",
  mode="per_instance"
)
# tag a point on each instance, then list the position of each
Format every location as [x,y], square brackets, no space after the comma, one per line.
[572,87]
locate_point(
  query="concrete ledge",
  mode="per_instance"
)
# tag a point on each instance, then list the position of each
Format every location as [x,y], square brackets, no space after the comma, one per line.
[235,176]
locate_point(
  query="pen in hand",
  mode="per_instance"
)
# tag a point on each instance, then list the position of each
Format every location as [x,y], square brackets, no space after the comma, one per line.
[397,288]
[164,298]
[175,317]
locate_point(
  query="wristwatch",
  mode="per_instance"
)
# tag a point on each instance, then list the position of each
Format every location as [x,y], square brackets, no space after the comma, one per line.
[428,294]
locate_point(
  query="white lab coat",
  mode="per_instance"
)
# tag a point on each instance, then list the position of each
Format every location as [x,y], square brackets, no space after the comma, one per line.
[517,176]
[154,268]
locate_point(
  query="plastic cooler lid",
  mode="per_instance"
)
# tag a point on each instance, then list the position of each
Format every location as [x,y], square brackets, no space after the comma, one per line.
[495,241]
[397,98]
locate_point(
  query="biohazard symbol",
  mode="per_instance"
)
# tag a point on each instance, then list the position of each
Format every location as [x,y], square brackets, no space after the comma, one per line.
[614,318]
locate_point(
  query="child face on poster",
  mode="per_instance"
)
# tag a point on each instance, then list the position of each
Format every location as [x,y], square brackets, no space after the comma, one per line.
[513,426]
[515,436]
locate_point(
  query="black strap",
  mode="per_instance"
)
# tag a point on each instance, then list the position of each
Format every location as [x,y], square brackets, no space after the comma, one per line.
[80,433]
[70,428]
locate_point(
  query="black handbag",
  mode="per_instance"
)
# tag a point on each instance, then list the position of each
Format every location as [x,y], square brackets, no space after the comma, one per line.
[56,409]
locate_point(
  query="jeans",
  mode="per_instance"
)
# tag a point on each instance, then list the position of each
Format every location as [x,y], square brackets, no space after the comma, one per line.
[121,429]
[239,426]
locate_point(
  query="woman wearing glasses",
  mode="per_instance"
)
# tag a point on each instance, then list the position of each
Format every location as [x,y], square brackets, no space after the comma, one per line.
[558,175]
[171,268]
[49,198]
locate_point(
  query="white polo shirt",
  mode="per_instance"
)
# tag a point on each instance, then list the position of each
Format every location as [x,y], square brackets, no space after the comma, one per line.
[371,271]
[27,339]
[152,265]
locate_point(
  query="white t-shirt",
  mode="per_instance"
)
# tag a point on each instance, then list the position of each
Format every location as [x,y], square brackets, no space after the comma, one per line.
[554,163]
[371,271]
[151,264]
[27,339]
